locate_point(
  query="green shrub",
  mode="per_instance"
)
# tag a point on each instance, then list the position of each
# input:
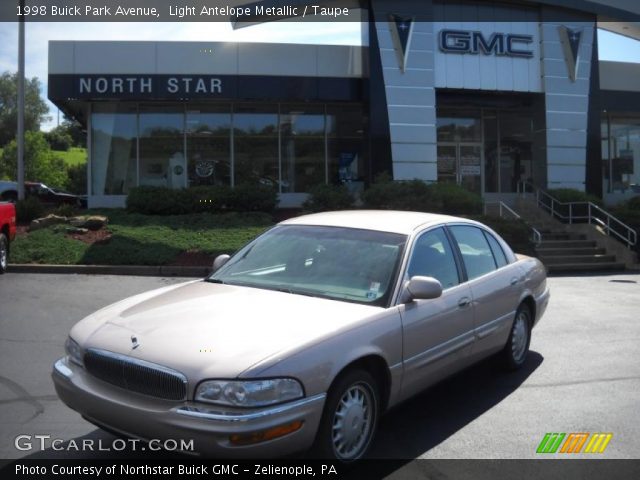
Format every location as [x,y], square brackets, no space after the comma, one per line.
[634,203]
[66,210]
[77,181]
[219,198]
[418,196]
[567,195]
[58,139]
[253,198]
[28,209]
[455,200]
[406,195]
[324,198]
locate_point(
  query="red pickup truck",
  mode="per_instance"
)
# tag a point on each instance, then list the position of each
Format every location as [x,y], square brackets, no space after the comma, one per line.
[7,232]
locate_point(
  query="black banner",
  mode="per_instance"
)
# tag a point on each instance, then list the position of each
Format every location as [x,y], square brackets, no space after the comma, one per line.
[198,469]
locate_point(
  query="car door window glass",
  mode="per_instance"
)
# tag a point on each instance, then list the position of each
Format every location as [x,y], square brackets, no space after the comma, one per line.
[476,253]
[498,253]
[432,257]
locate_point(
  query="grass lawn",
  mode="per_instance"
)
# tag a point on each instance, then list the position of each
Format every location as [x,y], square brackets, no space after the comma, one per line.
[142,239]
[73,156]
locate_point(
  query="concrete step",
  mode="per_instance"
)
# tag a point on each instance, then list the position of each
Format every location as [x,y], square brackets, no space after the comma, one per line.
[573,251]
[562,236]
[575,259]
[567,243]
[585,267]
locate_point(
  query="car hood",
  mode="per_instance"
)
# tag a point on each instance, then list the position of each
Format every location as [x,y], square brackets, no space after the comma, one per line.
[207,330]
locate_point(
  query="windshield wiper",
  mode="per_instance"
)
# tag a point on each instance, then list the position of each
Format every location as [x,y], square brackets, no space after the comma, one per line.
[214,280]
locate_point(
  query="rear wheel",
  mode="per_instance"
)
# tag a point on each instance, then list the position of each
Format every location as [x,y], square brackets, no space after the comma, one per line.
[517,347]
[350,417]
[4,253]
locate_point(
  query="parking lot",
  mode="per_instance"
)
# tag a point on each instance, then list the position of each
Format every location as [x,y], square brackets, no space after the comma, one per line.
[583,374]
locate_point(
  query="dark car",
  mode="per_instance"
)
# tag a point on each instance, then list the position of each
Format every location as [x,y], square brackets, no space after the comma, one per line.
[51,196]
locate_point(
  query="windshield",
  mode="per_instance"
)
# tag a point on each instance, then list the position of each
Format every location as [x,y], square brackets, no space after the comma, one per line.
[332,262]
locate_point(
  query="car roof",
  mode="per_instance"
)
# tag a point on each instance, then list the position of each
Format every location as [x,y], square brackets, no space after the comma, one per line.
[382,220]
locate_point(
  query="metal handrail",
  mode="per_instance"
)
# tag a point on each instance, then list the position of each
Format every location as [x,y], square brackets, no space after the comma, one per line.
[536,235]
[630,237]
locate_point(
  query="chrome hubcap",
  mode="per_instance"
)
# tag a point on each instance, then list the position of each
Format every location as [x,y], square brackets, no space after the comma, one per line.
[352,422]
[3,255]
[520,336]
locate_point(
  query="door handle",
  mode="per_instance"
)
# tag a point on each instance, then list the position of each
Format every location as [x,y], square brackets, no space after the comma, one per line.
[464,302]
[514,280]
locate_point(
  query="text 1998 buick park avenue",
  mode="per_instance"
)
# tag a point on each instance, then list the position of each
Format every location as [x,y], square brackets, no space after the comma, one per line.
[306,335]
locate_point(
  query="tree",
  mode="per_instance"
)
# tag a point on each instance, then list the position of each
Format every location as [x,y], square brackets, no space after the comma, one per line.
[59,138]
[35,108]
[40,163]
[73,128]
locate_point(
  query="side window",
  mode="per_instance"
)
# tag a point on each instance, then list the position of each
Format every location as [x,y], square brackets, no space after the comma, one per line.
[476,253]
[498,253]
[432,257]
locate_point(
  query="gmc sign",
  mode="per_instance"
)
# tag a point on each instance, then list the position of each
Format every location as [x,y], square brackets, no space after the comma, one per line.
[473,42]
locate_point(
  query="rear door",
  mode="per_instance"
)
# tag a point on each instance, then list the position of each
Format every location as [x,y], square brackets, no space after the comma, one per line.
[495,286]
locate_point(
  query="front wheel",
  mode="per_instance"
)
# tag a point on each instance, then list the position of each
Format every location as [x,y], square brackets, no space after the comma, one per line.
[4,253]
[517,347]
[350,418]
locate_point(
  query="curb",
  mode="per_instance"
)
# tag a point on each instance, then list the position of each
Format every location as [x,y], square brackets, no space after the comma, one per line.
[138,270]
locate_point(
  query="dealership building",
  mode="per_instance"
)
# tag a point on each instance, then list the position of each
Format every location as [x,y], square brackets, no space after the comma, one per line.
[483,94]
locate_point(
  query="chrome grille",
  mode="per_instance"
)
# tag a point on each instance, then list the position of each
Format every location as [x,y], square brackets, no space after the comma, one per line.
[136,375]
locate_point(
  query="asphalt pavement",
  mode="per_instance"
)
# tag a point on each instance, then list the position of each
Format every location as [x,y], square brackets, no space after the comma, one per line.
[583,375]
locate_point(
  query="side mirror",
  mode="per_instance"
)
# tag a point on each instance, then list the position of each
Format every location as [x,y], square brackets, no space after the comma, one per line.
[421,288]
[220,261]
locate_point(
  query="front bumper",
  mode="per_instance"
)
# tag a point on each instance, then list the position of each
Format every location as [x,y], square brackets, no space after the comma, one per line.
[210,427]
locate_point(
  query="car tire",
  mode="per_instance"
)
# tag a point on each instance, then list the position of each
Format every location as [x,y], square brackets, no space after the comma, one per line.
[4,253]
[515,351]
[350,418]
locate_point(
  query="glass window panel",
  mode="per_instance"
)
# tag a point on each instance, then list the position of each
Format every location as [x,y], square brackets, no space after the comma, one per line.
[302,147]
[432,257]
[113,149]
[345,146]
[491,156]
[604,145]
[476,254]
[625,155]
[498,253]
[459,125]
[209,145]
[516,136]
[256,144]
[162,161]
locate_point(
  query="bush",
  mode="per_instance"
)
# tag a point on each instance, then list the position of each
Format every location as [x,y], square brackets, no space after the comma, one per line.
[567,195]
[455,200]
[253,198]
[66,210]
[58,139]
[323,198]
[77,178]
[418,196]
[28,209]
[166,201]
[634,203]
[40,162]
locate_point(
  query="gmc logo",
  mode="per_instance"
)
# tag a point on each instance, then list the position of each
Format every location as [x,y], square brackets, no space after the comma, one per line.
[502,44]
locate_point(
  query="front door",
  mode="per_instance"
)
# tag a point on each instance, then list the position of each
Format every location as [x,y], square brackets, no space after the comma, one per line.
[461,163]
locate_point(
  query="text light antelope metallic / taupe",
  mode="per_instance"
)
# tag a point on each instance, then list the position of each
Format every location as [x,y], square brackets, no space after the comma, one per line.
[305,336]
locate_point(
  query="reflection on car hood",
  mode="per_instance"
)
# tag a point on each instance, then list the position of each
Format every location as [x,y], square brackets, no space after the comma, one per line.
[208,330]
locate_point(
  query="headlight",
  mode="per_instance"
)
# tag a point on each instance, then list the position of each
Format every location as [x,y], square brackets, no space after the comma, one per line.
[251,393]
[73,351]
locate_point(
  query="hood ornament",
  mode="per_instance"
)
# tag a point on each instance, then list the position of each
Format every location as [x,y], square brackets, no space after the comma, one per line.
[134,342]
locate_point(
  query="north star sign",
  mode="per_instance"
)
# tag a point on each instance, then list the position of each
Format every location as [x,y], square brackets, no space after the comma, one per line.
[134,84]
[474,42]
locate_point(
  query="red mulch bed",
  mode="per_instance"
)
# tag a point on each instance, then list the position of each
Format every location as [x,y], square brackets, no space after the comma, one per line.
[92,236]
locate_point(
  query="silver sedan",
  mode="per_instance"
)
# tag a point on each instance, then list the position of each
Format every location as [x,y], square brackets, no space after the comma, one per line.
[306,335]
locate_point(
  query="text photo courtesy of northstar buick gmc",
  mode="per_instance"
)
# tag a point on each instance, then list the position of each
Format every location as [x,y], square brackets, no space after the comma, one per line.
[306,335]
